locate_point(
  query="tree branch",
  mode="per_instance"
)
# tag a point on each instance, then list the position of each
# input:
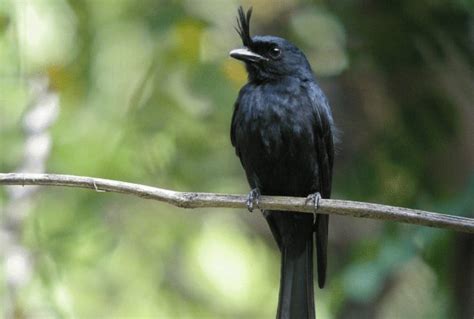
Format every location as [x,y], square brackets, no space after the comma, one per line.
[201,200]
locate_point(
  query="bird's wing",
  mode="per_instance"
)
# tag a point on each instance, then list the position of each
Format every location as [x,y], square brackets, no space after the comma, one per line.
[324,145]
[233,124]
[323,132]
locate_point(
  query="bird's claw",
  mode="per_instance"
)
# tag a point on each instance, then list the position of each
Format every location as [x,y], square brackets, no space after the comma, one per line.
[314,199]
[252,199]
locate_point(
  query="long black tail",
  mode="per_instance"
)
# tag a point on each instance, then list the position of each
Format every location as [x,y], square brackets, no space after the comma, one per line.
[296,299]
[322,223]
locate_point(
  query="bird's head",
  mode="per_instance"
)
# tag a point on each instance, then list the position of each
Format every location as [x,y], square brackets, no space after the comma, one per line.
[268,57]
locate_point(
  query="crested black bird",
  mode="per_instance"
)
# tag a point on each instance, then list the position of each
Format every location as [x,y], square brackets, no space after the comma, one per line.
[283,132]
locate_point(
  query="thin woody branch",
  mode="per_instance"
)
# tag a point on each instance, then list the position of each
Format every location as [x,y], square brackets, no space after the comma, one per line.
[209,200]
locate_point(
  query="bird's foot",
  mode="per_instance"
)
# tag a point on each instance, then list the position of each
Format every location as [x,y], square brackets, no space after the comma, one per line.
[252,199]
[314,199]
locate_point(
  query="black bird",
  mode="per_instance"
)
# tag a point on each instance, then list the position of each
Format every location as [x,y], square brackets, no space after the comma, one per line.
[283,132]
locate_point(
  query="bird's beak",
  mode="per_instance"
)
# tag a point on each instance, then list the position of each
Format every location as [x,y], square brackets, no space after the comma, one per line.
[244,54]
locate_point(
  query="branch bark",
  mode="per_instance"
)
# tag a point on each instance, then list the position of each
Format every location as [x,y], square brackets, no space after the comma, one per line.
[208,200]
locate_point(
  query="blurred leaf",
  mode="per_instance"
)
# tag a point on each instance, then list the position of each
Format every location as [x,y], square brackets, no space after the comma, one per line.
[325,37]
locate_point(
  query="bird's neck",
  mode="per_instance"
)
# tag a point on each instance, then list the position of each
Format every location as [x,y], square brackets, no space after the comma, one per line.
[256,79]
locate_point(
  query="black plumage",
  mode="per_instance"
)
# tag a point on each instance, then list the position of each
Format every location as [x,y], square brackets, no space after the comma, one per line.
[283,132]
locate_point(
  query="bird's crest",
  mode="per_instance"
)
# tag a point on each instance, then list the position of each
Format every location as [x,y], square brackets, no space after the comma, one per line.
[243,26]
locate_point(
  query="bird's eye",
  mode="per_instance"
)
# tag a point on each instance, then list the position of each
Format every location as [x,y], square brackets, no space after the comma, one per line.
[274,52]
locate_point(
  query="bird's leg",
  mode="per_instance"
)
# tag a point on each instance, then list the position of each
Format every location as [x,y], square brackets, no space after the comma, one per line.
[314,199]
[252,199]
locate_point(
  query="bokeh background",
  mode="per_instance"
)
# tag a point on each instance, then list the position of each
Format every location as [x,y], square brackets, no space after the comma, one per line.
[143,91]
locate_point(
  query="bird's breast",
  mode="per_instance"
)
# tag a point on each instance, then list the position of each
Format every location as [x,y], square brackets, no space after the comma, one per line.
[278,123]
[274,137]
